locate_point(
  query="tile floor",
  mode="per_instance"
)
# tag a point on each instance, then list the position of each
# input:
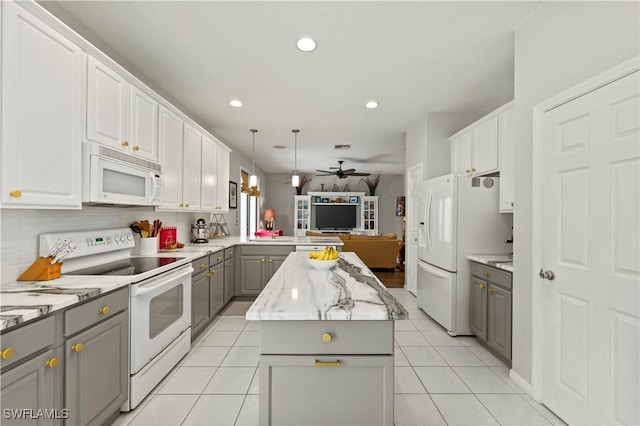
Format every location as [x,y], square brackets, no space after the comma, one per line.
[439,380]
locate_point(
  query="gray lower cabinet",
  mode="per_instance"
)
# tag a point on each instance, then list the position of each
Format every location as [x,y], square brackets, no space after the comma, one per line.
[216,283]
[97,359]
[229,275]
[199,296]
[97,372]
[491,316]
[257,266]
[35,384]
[326,373]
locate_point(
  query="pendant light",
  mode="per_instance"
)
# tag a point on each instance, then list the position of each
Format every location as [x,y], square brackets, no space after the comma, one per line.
[295,179]
[253,179]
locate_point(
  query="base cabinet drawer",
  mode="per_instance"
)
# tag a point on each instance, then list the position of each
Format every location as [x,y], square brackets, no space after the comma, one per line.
[345,390]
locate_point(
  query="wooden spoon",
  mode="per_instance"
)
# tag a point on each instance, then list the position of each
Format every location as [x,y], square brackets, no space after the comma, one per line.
[144,233]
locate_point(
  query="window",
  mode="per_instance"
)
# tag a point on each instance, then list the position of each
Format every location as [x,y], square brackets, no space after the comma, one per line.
[248,209]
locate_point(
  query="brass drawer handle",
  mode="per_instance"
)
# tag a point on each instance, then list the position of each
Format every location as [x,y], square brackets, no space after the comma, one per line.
[7,353]
[77,347]
[125,143]
[136,148]
[104,310]
[16,194]
[327,363]
[326,337]
[51,363]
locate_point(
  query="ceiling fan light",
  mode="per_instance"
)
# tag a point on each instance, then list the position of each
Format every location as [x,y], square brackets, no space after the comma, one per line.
[253,180]
[295,180]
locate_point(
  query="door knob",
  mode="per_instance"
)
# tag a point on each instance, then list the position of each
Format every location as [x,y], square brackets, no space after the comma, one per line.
[547,275]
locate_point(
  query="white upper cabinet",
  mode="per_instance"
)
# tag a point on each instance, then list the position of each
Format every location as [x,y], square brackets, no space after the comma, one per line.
[484,153]
[41,114]
[209,174]
[506,138]
[192,168]
[170,136]
[222,191]
[474,150]
[144,124]
[119,114]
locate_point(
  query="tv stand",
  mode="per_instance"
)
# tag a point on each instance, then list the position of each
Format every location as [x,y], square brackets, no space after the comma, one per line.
[304,212]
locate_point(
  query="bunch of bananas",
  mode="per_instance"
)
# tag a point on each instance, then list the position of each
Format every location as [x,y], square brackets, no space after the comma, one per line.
[329,253]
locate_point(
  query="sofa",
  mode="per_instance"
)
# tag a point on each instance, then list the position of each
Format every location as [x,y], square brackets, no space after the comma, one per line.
[376,251]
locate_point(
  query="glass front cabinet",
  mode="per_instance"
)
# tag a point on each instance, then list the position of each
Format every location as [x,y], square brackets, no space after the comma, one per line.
[301,215]
[370,215]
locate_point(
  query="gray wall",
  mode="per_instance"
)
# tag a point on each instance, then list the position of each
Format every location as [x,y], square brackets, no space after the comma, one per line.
[559,46]
[281,195]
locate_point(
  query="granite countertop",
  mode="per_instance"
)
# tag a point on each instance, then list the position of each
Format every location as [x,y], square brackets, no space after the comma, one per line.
[500,261]
[21,301]
[350,291]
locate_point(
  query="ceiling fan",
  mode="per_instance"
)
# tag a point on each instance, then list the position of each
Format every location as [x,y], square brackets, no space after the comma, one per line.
[342,174]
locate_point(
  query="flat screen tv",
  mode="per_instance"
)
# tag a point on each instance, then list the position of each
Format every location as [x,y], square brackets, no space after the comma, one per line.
[336,216]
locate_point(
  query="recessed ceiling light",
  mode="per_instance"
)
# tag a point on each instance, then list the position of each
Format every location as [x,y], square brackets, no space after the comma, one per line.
[306,44]
[371,105]
[235,103]
[279,146]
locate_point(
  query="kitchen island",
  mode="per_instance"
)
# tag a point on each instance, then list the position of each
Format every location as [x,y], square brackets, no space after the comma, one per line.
[326,344]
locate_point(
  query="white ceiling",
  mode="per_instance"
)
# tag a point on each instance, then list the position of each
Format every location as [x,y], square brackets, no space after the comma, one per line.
[412,57]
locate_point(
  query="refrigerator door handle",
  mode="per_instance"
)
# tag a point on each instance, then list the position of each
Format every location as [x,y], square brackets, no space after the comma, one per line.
[428,219]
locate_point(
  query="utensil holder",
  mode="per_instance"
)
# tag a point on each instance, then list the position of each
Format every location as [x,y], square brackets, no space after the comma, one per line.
[148,246]
[42,270]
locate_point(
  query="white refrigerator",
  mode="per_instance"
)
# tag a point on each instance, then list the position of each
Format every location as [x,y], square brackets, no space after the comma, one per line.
[460,217]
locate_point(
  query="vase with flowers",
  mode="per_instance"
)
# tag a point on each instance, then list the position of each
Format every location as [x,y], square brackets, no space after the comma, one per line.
[372,183]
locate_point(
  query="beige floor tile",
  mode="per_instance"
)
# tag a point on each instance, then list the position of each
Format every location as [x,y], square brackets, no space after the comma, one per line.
[248,338]
[482,380]
[459,356]
[410,338]
[416,410]
[511,410]
[220,338]
[215,410]
[404,325]
[406,381]
[249,413]
[242,357]
[165,410]
[206,356]
[503,373]
[230,380]
[188,380]
[231,323]
[423,356]
[462,409]
[487,357]
[254,389]
[399,360]
[441,338]
[441,380]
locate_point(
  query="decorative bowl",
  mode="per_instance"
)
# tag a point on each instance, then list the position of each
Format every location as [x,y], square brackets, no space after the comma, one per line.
[323,265]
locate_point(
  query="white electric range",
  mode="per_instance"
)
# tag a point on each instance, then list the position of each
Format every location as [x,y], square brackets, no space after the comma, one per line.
[160,299]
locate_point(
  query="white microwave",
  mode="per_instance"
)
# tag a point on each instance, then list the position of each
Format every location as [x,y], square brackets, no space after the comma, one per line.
[113,177]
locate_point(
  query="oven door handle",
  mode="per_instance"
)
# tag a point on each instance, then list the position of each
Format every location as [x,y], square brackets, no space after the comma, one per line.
[148,288]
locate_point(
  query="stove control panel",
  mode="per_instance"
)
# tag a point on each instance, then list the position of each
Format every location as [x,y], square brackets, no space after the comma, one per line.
[85,243]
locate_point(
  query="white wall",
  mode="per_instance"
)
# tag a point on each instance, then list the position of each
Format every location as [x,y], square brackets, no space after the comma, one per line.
[559,46]
[281,195]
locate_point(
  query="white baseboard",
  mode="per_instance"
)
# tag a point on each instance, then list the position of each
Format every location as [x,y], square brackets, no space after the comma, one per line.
[521,383]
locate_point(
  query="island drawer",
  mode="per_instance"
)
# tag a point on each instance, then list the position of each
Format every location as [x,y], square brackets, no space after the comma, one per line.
[228,253]
[27,340]
[487,273]
[200,265]
[90,313]
[326,337]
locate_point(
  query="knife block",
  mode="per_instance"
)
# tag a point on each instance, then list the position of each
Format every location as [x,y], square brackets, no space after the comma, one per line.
[42,270]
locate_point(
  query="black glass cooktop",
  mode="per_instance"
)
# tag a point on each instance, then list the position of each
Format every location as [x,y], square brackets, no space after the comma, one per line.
[130,266]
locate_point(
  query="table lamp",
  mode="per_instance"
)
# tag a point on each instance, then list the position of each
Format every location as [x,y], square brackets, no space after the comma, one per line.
[269,219]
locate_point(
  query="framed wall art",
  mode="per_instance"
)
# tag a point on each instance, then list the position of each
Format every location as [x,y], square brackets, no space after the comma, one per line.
[233,195]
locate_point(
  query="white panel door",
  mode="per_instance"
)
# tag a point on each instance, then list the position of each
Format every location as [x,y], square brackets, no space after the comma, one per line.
[170,135]
[415,202]
[41,114]
[107,106]
[191,176]
[209,183]
[591,233]
[144,125]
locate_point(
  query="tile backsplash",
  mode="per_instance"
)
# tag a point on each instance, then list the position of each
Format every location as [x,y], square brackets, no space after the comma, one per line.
[20,229]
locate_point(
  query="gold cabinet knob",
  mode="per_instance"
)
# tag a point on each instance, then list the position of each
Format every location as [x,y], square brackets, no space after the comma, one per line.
[270,260]
[7,353]
[467,171]
[136,148]
[219,257]
[490,290]
[125,143]
[326,337]
[231,253]
[181,205]
[262,260]
[16,194]
[51,363]
[485,274]
[481,286]
[473,169]
[77,347]
[201,266]
[213,271]
[104,310]
[227,264]
[186,205]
